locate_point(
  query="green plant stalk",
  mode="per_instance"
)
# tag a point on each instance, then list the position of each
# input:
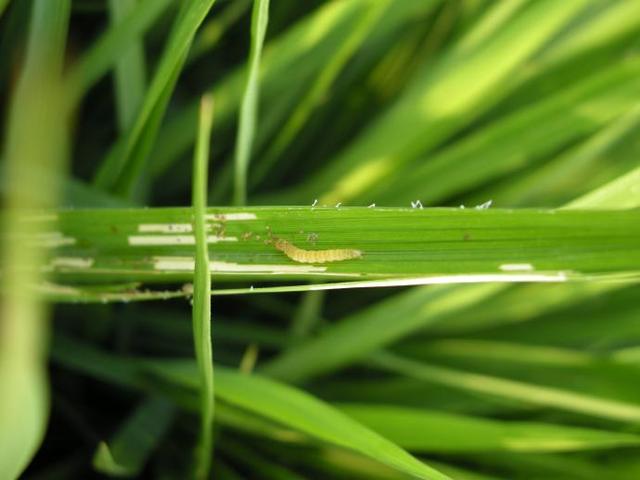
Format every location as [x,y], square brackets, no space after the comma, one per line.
[202,292]
[249,107]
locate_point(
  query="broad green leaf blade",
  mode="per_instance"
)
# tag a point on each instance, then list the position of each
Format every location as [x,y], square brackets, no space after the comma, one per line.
[201,313]
[300,411]
[120,172]
[422,430]
[249,109]
[126,454]
[450,245]
[37,110]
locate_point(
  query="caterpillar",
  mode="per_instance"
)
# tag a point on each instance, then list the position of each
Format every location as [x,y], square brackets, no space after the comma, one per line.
[315,256]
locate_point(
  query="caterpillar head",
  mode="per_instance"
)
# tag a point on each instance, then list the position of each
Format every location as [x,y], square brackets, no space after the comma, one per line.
[279,243]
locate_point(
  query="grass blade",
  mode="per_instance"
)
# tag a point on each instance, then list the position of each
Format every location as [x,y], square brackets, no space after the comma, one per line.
[337,346]
[302,412]
[202,293]
[621,192]
[130,69]
[563,173]
[106,51]
[126,454]
[397,137]
[286,57]
[213,30]
[3,5]
[37,109]
[320,88]
[249,109]
[517,141]
[119,173]
[521,391]
[267,399]
[421,430]
[526,245]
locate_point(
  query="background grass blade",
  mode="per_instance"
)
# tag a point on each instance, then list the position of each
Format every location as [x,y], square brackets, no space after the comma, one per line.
[396,138]
[335,347]
[621,192]
[551,180]
[126,454]
[38,109]
[119,173]
[421,430]
[263,397]
[214,29]
[202,292]
[130,70]
[249,109]
[303,412]
[535,394]
[105,53]
[286,66]
[3,5]
[513,144]
[320,88]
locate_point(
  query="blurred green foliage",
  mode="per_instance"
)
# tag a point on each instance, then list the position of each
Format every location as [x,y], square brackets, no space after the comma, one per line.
[381,103]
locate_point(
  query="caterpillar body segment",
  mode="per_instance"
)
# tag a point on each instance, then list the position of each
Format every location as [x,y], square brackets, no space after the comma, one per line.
[315,256]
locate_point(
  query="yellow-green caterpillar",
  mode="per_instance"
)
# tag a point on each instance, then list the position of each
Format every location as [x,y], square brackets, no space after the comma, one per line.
[315,256]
